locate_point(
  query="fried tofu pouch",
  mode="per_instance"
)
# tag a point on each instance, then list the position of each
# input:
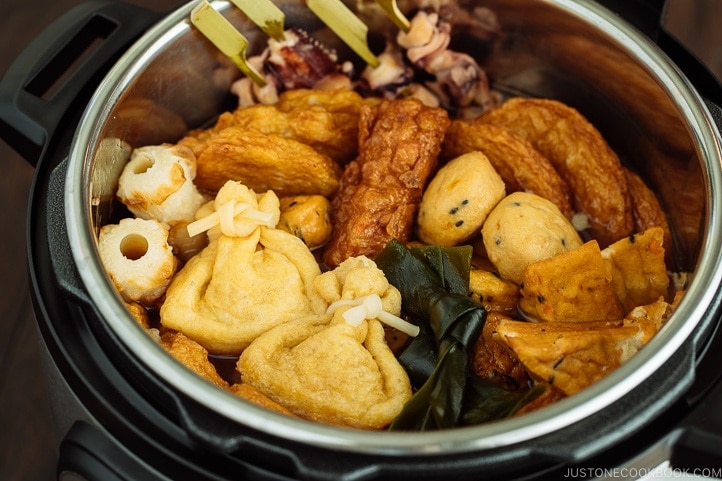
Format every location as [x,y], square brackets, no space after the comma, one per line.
[329,369]
[249,278]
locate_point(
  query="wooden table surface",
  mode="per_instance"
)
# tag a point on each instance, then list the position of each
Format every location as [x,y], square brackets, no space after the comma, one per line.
[27,444]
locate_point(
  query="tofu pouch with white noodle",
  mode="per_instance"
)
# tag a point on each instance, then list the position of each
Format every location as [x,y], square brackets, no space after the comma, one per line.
[250,278]
[336,368]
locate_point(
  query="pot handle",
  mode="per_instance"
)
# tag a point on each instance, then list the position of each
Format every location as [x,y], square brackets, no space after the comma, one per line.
[61,67]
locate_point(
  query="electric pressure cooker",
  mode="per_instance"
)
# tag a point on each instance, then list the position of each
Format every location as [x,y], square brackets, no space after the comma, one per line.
[128,411]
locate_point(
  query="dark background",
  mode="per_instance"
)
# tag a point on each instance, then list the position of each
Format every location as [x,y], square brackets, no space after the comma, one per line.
[27,442]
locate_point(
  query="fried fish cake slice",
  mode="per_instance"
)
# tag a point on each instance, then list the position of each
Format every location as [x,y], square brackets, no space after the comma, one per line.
[648,211]
[657,312]
[265,162]
[192,355]
[547,398]
[338,101]
[581,156]
[572,356]
[324,120]
[518,163]
[308,217]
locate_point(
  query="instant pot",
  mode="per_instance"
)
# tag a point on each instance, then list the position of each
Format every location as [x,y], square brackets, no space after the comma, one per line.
[125,410]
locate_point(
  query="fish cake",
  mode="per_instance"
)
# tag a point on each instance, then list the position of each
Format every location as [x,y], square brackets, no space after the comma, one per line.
[494,361]
[379,192]
[581,156]
[638,268]
[322,119]
[265,162]
[458,200]
[648,211]
[522,229]
[518,163]
[192,355]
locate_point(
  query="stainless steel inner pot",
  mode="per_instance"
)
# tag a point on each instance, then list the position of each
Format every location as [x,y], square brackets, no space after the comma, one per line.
[172,79]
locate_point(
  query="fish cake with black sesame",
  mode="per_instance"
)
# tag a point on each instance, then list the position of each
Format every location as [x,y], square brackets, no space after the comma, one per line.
[458,200]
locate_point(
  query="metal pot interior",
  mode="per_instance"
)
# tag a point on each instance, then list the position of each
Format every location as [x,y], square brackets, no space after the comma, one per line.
[173,80]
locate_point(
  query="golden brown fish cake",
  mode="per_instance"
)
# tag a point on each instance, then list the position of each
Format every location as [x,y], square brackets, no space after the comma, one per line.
[308,217]
[581,156]
[525,228]
[572,286]
[139,313]
[648,211]
[657,312]
[338,101]
[265,162]
[639,272]
[493,292]
[518,163]
[458,199]
[572,356]
[192,355]
[324,120]
[379,193]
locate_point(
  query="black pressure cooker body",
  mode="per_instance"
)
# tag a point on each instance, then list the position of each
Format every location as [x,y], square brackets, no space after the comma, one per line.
[120,420]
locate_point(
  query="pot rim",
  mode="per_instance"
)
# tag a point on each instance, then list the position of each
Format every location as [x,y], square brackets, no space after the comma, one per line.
[488,436]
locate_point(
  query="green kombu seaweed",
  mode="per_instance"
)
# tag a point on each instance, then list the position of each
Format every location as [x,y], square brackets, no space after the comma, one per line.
[434,283]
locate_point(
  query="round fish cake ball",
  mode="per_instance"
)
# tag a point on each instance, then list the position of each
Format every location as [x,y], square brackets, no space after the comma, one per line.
[308,217]
[524,228]
[458,200]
